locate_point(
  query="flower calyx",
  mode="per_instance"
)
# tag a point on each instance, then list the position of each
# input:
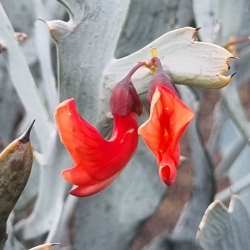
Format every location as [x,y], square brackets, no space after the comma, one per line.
[125,99]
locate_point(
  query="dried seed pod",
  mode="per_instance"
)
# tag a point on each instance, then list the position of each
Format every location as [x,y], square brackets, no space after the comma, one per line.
[15,166]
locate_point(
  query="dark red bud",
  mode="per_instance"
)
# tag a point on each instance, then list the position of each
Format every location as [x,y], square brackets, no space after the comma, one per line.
[124,98]
[160,78]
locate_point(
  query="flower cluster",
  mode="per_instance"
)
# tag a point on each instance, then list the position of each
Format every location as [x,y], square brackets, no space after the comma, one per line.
[97,161]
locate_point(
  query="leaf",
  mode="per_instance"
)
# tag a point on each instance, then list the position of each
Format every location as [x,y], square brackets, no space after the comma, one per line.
[225,229]
[188,61]
[15,166]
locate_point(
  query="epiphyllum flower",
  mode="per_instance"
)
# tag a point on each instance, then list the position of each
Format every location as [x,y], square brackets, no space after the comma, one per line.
[98,161]
[169,117]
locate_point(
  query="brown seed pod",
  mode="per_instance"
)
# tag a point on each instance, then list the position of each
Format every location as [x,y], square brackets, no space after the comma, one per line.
[15,166]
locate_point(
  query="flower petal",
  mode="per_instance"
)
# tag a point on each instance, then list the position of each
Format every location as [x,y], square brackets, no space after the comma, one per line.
[96,160]
[78,176]
[180,116]
[81,139]
[82,191]
[167,171]
[151,130]
[168,119]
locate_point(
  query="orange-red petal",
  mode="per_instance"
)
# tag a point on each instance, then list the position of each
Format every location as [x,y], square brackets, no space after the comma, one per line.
[83,191]
[169,117]
[81,139]
[167,171]
[96,160]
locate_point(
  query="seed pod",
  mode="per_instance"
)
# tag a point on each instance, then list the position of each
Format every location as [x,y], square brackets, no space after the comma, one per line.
[15,166]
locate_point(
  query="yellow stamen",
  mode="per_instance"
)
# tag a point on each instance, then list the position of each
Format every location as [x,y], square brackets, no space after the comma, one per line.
[154,52]
[151,65]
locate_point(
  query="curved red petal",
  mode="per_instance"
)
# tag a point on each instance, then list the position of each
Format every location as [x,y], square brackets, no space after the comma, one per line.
[81,139]
[83,191]
[151,130]
[96,159]
[78,176]
[167,171]
[180,116]
[169,117]
[120,148]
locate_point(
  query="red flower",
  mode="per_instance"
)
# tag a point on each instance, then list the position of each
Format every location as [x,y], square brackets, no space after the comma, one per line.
[98,161]
[169,117]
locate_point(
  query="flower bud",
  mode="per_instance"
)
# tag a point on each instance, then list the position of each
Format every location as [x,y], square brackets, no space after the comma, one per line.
[124,98]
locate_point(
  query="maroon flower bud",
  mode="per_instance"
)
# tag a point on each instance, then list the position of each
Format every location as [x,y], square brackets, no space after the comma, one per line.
[159,77]
[124,98]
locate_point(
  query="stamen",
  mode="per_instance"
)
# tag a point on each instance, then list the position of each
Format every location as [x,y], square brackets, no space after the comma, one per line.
[152,65]
[154,52]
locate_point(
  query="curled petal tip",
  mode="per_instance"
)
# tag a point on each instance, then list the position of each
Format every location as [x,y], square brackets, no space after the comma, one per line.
[74,191]
[25,137]
[80,191]
[167,172]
